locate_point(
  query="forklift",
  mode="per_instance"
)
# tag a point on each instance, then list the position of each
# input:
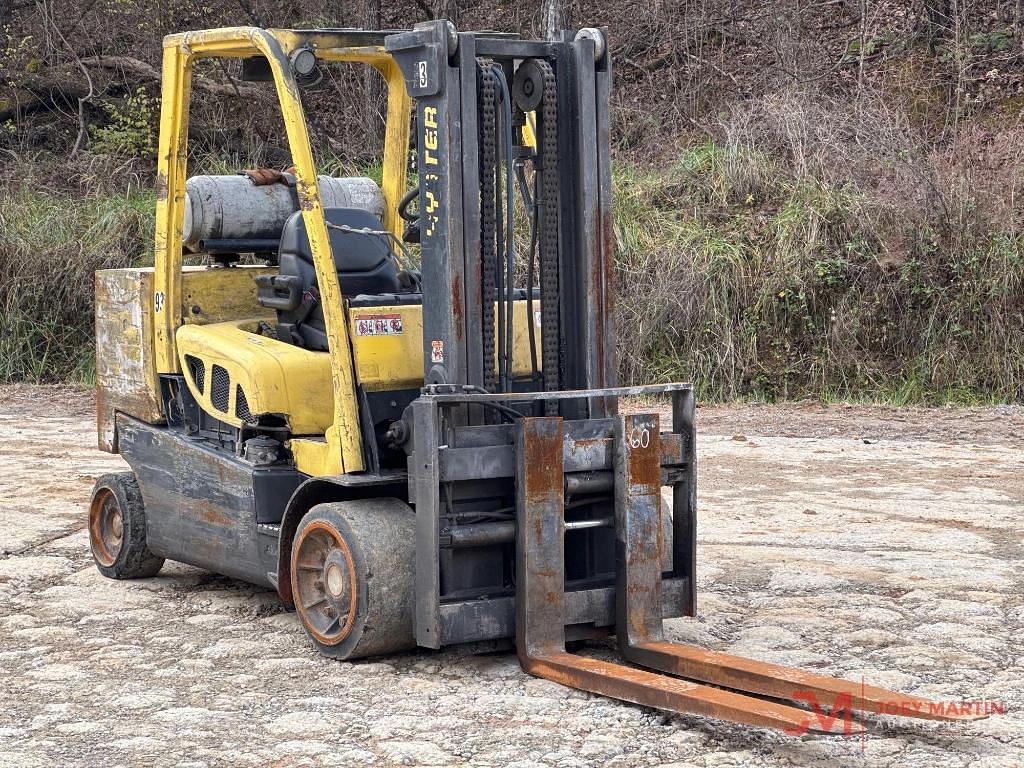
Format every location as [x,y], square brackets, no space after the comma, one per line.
[419,452]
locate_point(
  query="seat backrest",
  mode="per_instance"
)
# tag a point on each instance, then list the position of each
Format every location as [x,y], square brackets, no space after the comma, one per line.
[364,261]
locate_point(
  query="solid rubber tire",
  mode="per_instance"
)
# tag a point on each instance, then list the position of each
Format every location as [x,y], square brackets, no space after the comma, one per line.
[380,535]
[133,559]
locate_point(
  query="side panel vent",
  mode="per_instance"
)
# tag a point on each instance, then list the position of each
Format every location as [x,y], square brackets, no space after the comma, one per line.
[197,370]
[242,407]
[220,386]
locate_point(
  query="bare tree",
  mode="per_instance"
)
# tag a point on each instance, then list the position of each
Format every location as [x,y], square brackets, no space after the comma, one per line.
[336,16]
[937,19]
[5,13]
[554,17]
[1018,22]
[374,91]
[447,9]
[251,13]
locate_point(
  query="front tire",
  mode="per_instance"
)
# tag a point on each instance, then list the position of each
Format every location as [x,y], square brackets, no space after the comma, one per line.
[117,529]
[352,571]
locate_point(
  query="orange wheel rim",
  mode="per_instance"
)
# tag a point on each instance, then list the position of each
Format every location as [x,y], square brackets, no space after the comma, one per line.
[324,583]
[106,527]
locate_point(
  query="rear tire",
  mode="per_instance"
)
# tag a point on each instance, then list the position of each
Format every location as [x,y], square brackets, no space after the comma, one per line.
[352,574]
[117,529]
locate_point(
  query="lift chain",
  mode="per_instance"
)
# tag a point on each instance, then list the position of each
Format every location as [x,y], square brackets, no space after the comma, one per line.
[550,196]
[488,252]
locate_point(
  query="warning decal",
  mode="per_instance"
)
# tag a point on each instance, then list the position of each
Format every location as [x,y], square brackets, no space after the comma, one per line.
[379,325]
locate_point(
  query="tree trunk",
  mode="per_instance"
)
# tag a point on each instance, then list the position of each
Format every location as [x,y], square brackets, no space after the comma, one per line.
[1018,23]
[937,18]
[5,13]
[336,16]
[554,18]
[447,9]
[375,102]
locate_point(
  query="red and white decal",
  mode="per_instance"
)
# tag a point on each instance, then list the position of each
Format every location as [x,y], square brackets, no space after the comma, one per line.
[379,325]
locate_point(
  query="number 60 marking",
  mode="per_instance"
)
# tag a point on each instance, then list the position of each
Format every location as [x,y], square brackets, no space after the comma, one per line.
[640,437]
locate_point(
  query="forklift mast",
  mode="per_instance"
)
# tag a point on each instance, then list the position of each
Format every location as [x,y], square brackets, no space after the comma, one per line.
[494,92]
[503,125]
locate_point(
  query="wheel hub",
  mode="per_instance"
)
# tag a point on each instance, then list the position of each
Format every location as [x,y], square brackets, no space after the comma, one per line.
[335,576]
[117,525]
[106,527]
[325,576]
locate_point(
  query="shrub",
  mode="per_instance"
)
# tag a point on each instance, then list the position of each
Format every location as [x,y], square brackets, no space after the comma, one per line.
[51,244]
[131,130]
[820,249]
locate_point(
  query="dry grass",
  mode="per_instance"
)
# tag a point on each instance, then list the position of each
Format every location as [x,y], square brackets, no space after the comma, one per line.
[51,244]
[822,249]
[813,248]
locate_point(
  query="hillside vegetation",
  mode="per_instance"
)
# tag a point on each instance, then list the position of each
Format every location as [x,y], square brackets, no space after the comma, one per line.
[816,198]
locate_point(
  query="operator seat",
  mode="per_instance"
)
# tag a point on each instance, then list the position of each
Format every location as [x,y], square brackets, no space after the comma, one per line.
[364,262]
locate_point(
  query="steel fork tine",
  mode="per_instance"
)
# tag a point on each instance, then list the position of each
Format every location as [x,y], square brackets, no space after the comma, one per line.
[639,624]
[540,615]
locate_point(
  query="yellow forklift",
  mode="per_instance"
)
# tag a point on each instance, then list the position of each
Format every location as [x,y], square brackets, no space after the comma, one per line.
[418,452]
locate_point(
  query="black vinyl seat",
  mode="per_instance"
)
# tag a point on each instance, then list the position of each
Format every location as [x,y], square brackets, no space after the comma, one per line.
[364,262]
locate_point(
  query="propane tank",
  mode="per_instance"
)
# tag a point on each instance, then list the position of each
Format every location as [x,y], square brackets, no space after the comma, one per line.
[219,207]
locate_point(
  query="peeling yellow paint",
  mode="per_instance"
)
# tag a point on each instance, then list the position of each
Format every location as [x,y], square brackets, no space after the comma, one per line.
[126,361]
[275,377]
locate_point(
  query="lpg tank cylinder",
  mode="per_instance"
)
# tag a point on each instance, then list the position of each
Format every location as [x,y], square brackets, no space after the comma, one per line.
[219,207]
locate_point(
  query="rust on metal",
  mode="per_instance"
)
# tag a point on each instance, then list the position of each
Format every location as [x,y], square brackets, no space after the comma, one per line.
[263,177]
[540,614]
[540,585]
[638,531]
[540,567]
[607,229]
[543,459]
[671,448]
[638,580]
[106,527]
[586,443]
[457,307]
[597,291]
[324,582]
[782,682]
[608,296]
[638,686]
[212,514]
[600,290]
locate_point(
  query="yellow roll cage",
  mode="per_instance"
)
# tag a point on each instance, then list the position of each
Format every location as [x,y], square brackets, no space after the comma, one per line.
[180,51]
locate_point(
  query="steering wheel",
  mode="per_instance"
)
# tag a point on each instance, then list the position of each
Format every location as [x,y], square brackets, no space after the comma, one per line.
[412,218]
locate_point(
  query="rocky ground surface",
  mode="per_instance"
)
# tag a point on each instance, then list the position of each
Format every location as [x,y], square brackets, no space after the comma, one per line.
[869,543]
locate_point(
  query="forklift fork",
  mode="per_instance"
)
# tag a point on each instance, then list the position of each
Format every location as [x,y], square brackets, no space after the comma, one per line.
[540,614]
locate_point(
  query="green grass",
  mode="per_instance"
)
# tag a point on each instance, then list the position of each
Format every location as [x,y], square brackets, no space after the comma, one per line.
[51,244]
[752,279]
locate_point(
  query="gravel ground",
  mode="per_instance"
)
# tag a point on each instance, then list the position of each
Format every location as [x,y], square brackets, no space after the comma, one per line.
[861,542]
